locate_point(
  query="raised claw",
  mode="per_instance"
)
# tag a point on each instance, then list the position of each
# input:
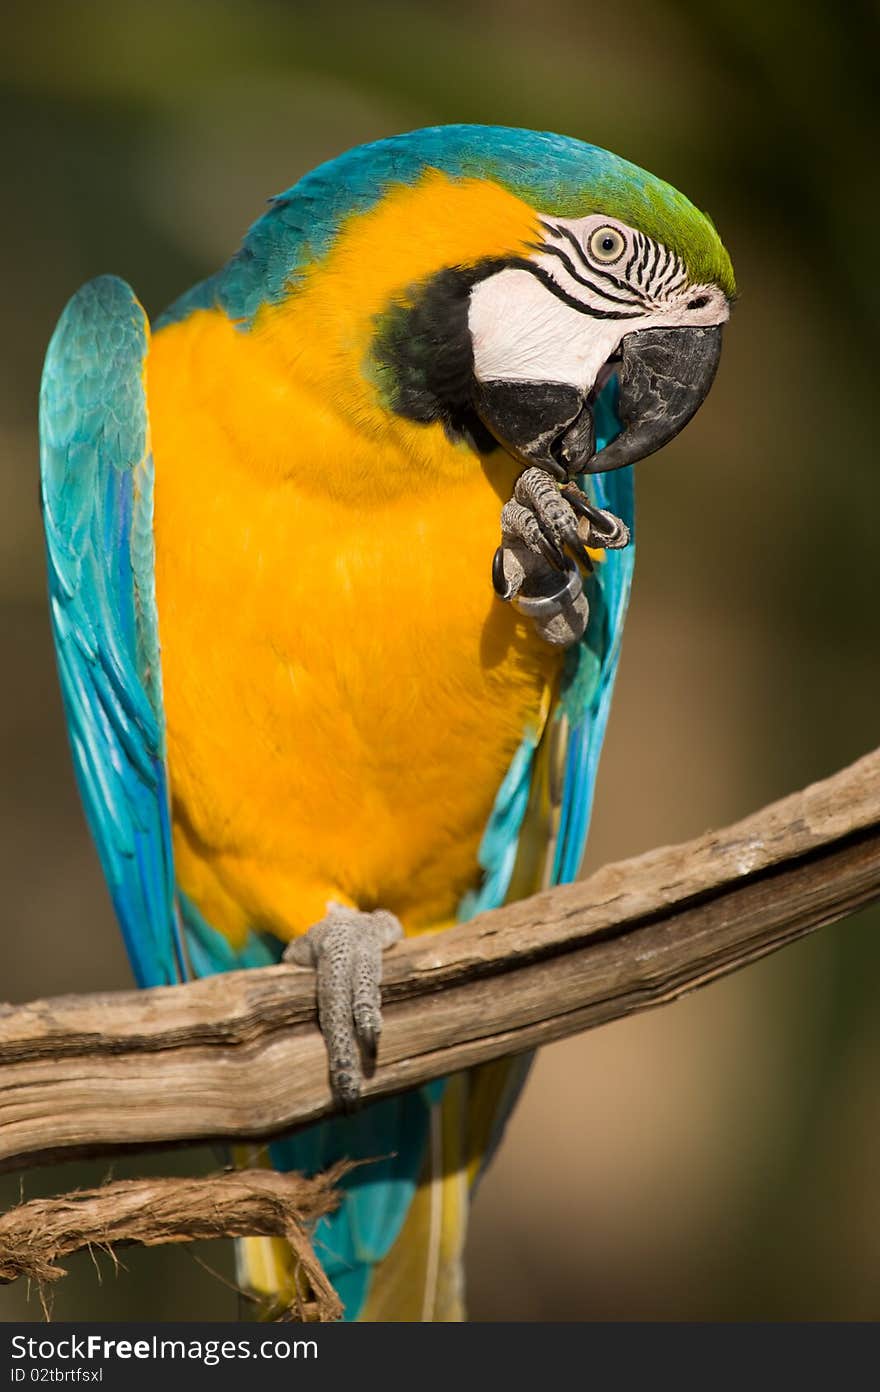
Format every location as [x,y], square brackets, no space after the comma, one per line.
[531,569]
[556,519]
[538,493]
[346,950]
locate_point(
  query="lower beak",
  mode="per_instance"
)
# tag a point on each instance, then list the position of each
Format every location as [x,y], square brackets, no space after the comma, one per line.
[664,376]
[532,419]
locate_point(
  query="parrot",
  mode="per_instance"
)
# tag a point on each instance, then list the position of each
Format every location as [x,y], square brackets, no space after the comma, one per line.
[339,551]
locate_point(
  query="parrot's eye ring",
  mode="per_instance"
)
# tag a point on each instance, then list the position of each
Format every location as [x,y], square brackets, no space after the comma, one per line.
[606,245]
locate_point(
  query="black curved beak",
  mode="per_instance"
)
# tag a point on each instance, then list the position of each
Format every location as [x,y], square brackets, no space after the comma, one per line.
[664,377]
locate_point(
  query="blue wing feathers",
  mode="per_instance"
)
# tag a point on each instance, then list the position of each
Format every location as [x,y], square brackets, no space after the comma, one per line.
[208,953]
[497,853]
[97,483]
[609,596]
[96,474]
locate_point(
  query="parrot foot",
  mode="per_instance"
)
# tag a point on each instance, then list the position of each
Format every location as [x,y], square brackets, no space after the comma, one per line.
[346,950]
[543,520]
[538,523]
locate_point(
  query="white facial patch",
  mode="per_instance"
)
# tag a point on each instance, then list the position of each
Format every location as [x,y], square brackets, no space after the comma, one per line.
[592,281]
[523,333]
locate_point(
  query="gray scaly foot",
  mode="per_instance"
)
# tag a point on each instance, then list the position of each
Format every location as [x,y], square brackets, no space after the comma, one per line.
[531,569]
[345,949]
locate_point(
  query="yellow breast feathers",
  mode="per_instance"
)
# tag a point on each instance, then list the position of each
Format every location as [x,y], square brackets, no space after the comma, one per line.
[343,691]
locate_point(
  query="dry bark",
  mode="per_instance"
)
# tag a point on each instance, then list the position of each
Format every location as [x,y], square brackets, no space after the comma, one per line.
[36,1236]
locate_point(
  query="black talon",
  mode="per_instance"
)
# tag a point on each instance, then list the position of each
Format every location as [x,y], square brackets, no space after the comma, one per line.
[577,548]
[610,529]
[606,524]
[575,497]
[549,547]
[370,1044]
[499,579]
[552,553]
[602,524]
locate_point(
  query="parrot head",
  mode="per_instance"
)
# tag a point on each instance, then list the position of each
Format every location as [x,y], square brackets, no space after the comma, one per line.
[509,287]
[624,285]
[597,299]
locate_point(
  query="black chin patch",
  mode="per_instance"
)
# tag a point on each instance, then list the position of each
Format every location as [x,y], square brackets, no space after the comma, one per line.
[423,357]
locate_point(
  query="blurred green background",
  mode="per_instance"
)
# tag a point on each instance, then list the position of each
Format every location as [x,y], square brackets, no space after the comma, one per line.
[717,1159]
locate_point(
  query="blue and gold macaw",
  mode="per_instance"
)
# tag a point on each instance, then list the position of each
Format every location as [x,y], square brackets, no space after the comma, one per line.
[300,713]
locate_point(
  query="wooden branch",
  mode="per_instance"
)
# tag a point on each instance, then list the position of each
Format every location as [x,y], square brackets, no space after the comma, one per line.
[152,1212]
[239,1056]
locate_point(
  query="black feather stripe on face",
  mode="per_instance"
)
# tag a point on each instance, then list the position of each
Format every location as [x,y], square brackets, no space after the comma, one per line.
[422,355]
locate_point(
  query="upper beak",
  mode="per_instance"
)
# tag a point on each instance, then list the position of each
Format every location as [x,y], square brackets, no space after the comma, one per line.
[664,376]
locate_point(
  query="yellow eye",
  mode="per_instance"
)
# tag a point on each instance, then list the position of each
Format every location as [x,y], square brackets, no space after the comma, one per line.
[606,244]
